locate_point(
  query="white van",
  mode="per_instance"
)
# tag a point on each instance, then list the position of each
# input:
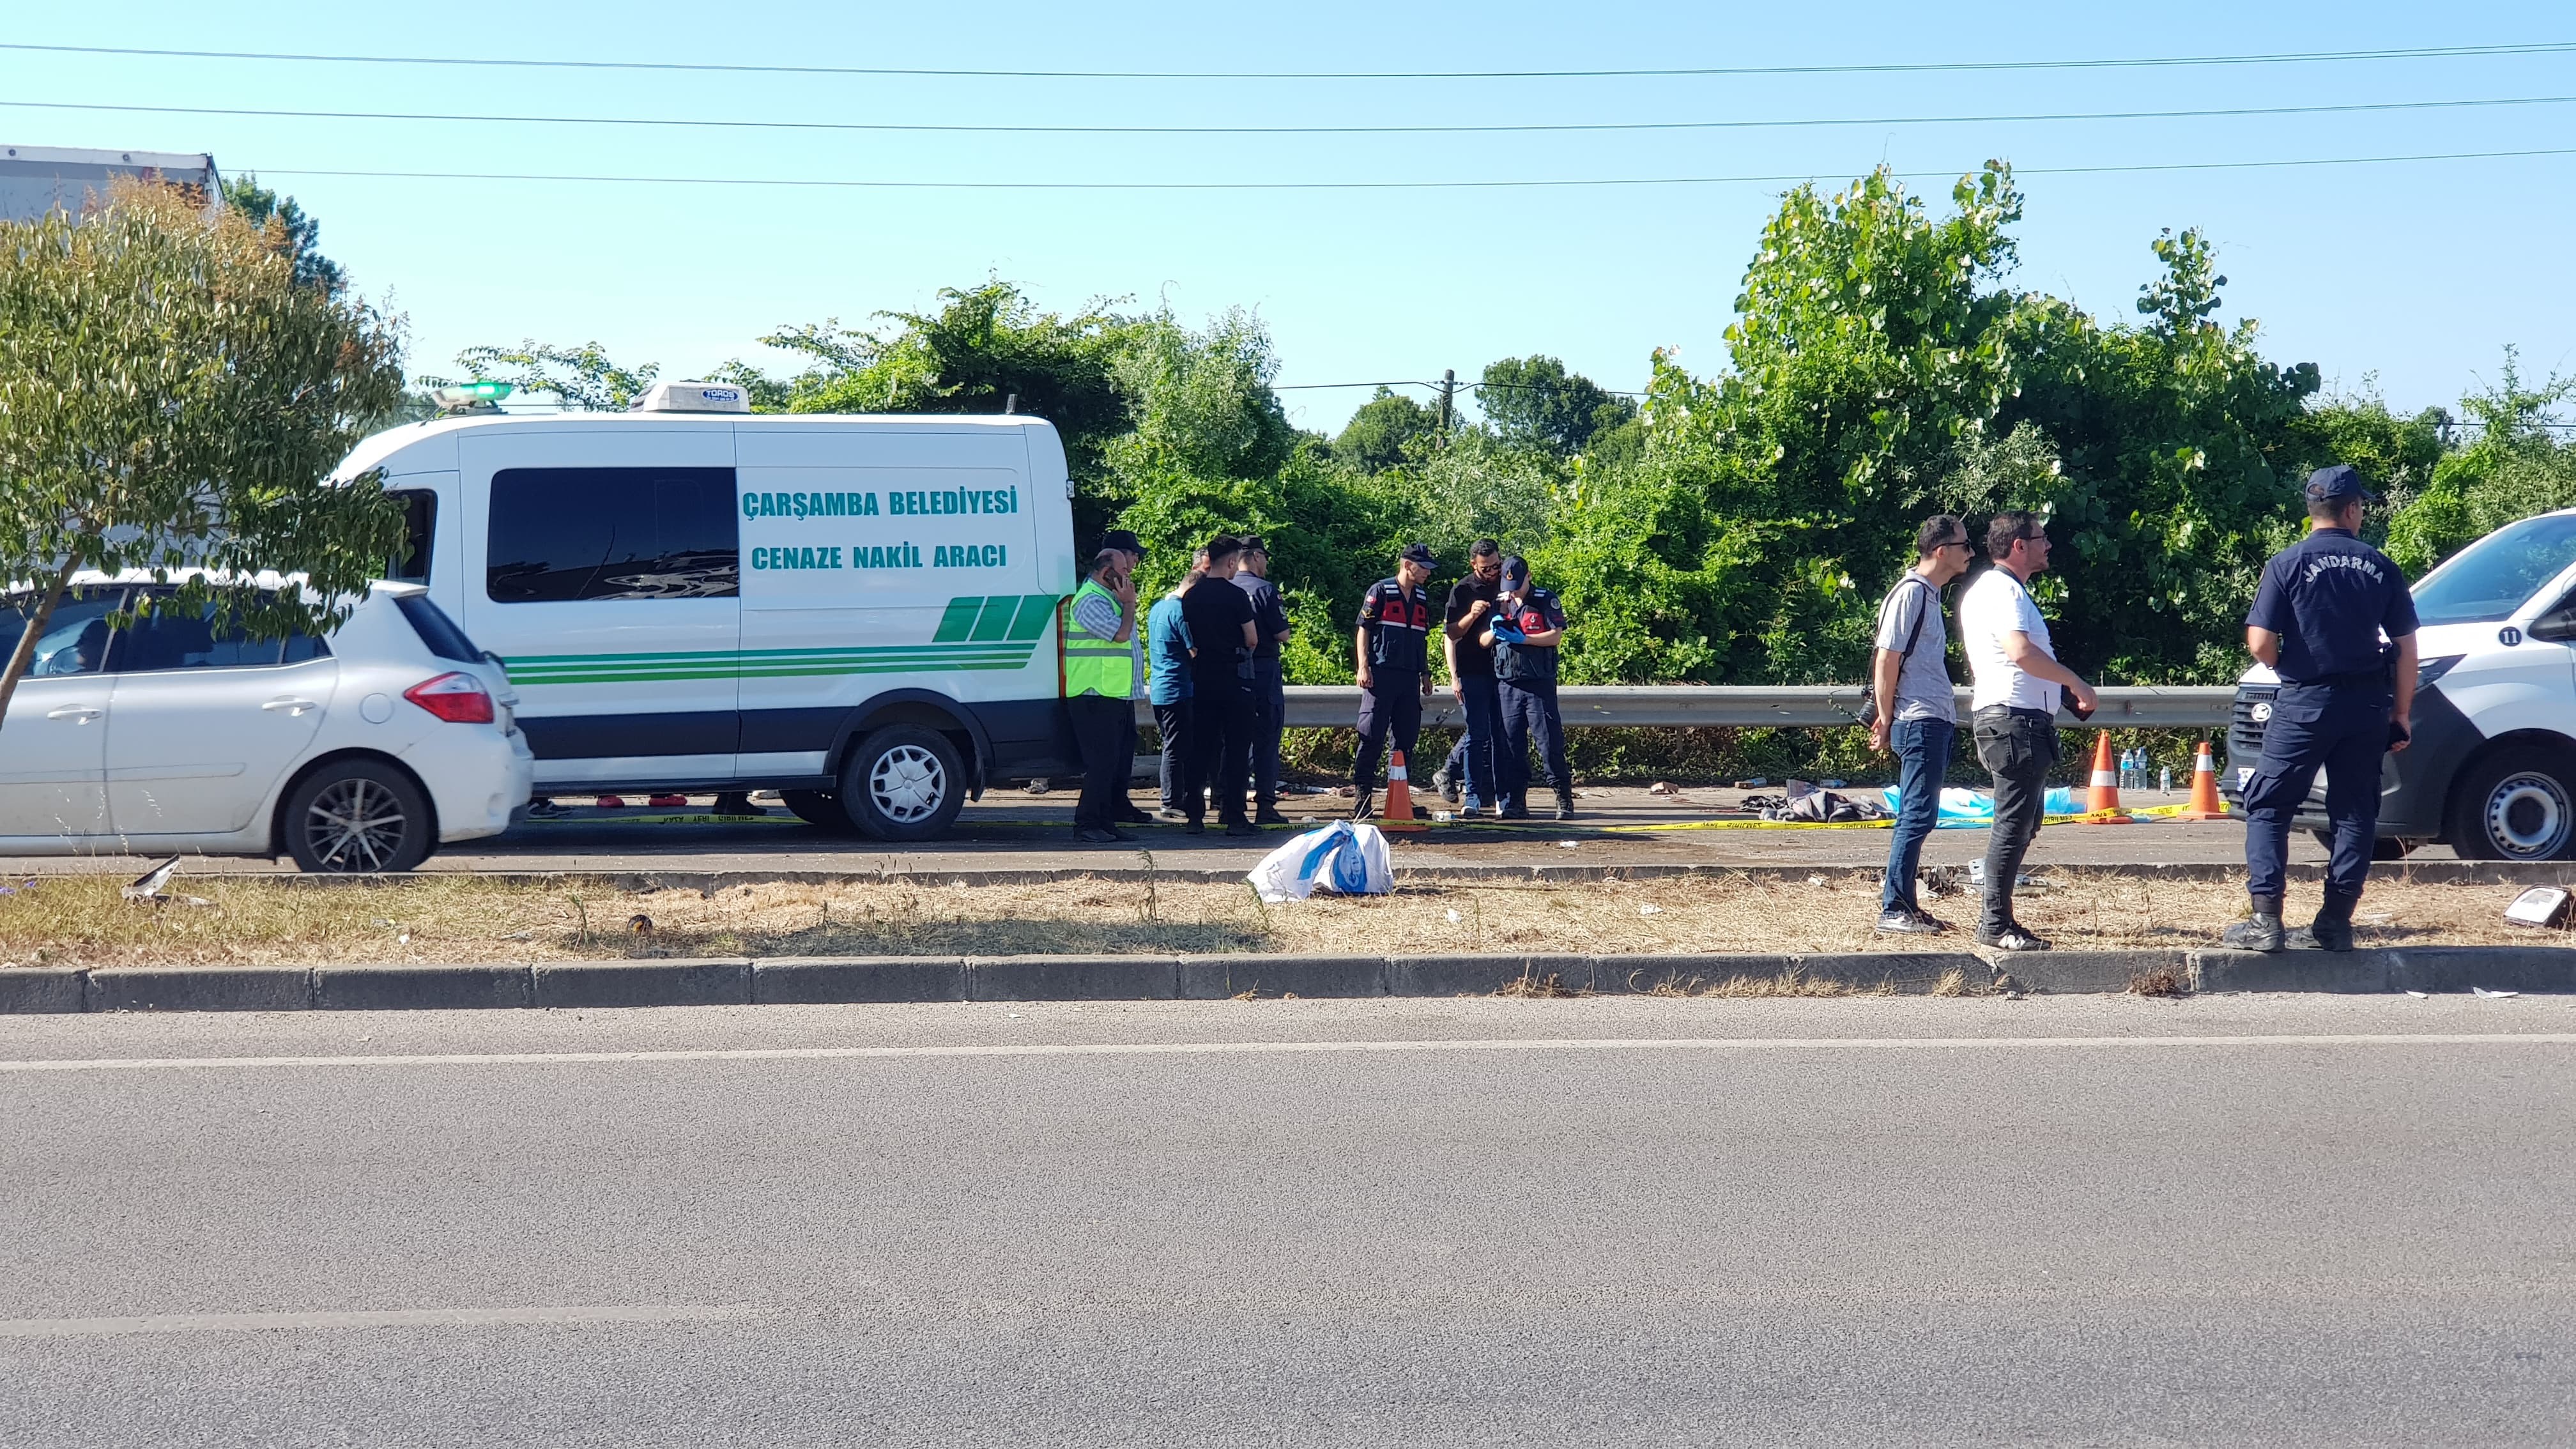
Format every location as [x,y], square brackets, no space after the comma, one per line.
[860,612]
[2491,770]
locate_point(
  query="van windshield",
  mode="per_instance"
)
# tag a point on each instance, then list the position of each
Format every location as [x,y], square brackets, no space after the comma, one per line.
[2492,577]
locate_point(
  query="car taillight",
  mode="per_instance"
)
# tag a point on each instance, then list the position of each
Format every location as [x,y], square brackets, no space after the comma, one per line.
[455,698]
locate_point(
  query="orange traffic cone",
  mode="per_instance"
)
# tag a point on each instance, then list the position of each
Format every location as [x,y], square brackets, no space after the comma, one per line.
[2102,802]
[1399,797]
[2204,804]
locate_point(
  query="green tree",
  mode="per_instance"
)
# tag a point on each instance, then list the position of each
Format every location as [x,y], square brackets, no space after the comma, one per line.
[584,379]
[1384,431]
[2515,463]
[1533,402]
[288,229]
[173,395]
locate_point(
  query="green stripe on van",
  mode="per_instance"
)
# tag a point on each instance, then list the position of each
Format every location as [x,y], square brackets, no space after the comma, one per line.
[977,632]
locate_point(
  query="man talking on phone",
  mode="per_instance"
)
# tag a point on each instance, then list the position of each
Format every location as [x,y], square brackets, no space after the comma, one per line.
[1100,686]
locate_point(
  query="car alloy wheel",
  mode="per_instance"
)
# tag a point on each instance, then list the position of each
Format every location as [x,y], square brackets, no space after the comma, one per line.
[356,824]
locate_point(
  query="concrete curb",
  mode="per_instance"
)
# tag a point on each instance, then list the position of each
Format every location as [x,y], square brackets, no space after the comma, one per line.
[1073,978]
[1217,978]
[421,988]
[824,980]
[643,983]
[185,988]
[42,989]
[811,980]
[2450,969]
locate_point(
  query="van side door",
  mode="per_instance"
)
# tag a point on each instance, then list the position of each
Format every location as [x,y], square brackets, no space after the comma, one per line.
[602,566]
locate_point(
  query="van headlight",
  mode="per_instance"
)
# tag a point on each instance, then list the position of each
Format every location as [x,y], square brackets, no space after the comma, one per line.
[2428,670]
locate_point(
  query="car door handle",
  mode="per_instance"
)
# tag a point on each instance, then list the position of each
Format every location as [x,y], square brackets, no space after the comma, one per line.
[293,706]
[81,713]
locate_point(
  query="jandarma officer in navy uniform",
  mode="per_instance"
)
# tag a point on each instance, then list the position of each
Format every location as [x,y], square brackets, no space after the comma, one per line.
[2346,700]
[1394,669]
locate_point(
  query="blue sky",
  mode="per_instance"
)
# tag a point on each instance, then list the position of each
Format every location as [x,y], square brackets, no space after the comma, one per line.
[2418,273]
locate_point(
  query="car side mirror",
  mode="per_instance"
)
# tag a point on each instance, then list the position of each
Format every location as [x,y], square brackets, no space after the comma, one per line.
[2558,625]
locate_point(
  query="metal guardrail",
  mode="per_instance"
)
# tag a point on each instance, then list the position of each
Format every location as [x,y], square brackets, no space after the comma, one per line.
[2179,707]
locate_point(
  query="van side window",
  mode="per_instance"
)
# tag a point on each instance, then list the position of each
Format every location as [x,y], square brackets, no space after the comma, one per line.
[410,563]
[561,534]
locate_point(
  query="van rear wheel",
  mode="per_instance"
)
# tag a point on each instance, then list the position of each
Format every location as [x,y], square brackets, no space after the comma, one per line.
[820,808]
[2516,804]
[903,783]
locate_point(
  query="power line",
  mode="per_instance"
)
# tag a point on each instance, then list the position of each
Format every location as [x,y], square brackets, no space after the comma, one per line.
[720,123]
[828,183]
[2435,52]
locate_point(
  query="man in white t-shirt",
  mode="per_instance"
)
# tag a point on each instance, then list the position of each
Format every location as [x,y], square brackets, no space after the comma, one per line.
[2012,709]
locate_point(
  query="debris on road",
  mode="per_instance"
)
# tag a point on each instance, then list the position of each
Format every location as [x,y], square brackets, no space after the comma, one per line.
[1663,787]
[149,888]
[2494,995]
[640,924]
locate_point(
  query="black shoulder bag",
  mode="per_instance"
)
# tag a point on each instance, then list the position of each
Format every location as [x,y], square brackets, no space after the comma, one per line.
[1868,714]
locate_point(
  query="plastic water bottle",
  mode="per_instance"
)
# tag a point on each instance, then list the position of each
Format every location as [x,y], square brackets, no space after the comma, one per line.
[2164,779]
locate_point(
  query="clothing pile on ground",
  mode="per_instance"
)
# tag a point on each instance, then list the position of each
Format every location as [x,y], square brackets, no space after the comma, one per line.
[1812,805]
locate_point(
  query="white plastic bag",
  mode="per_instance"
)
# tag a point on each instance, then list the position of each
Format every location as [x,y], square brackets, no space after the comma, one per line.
[1346,856]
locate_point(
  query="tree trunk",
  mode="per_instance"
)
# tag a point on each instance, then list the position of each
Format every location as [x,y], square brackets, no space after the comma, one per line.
[23,657]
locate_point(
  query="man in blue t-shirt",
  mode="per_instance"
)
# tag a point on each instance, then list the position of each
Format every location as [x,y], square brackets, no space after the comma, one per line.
[1167,684]
[2346,699]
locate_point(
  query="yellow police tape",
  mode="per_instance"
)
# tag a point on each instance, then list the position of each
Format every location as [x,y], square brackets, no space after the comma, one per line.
[2150,811]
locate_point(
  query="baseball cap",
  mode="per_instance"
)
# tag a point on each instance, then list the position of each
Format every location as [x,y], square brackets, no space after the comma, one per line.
[2340,481]
[1252,544]
[1418,553]
[1515,571]
[1123,541]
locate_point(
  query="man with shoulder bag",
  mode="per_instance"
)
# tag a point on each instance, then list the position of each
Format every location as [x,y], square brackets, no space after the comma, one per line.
[1909,711]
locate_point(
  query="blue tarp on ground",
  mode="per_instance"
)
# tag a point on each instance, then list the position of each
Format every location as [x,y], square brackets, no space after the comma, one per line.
[1963,809]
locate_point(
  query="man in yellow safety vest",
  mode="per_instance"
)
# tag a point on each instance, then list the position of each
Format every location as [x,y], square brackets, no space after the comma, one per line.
[1100,687]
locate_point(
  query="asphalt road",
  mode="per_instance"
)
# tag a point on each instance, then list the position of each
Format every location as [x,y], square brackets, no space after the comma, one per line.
[1011,830]
[1597,1222]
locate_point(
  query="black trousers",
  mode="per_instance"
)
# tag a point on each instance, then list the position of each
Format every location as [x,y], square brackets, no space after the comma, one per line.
[1104,735]
[1269,717]
[2017,747]
[1221,751]
[1393,708]
[1173,720]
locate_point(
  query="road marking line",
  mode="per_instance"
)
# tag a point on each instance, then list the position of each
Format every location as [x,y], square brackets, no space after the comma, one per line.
[1271,1048]
[394,1318]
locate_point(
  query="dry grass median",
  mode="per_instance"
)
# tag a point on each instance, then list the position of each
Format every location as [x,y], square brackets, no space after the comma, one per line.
[81,921]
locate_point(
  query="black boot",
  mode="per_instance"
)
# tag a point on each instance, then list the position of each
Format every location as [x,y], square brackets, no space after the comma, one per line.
[1366,809]
[2260,933]
[1564,804]
[2331,930]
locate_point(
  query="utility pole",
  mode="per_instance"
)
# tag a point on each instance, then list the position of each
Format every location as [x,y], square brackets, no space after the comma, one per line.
[1448,389]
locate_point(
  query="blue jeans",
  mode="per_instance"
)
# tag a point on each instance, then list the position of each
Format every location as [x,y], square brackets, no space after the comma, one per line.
[1480,744]
[1923,756]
